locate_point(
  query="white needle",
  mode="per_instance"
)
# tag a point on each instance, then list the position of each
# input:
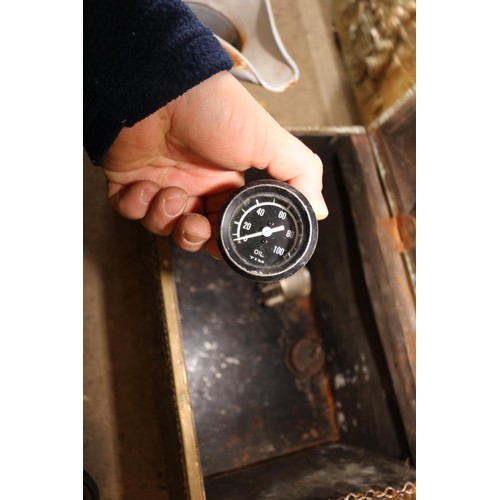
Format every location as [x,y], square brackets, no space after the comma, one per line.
[267,231]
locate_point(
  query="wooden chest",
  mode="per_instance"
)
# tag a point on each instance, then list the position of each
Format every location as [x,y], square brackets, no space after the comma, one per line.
[243,423]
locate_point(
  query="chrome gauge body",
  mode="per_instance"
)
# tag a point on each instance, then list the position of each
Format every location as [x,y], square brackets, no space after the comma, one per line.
[267,230]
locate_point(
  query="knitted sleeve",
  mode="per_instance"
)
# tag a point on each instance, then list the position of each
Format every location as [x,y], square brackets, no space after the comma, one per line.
[137,56]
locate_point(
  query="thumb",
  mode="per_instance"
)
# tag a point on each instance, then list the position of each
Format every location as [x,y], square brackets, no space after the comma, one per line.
[293,162]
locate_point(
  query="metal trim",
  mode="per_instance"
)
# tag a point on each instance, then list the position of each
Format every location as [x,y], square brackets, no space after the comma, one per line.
[173,333]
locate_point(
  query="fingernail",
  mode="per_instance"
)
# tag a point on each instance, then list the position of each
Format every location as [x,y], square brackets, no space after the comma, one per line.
[194,238]
[174,206]
[147,195]
[216,257]
[322,210]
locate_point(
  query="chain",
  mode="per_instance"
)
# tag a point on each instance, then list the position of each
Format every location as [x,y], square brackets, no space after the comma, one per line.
[408,492]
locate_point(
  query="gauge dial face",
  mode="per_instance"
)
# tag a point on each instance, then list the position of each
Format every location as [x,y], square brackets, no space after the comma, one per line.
[267,230]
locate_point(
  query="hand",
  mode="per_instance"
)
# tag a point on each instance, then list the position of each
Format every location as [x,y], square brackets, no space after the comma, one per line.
[174,169]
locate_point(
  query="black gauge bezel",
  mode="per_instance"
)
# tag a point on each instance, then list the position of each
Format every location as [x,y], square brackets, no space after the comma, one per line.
[306,245]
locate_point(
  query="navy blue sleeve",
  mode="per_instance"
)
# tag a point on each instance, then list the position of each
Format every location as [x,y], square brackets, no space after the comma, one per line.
[138,55]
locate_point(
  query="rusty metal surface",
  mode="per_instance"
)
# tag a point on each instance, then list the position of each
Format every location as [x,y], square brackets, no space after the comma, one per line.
[248,406]
[306,357]
[320,473]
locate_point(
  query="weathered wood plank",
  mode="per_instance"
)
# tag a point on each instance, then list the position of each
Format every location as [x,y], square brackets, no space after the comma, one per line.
[384,271]
[367,409]
[394,137]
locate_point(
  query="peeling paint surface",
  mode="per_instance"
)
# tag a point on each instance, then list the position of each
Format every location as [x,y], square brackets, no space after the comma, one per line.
[248,405]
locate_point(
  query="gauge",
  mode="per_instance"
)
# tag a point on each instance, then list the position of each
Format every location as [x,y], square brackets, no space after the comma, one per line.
[267,230]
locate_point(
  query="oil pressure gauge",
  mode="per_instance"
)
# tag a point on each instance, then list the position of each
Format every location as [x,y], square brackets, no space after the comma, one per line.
[267,230]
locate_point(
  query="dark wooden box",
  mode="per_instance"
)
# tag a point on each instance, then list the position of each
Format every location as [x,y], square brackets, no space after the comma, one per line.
[245,426]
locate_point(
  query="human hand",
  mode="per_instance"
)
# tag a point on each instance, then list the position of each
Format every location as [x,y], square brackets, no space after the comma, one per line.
[174,169]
